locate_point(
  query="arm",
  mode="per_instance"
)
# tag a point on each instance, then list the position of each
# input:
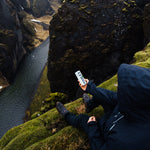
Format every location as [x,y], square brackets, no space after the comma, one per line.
[106,97]
[95,138]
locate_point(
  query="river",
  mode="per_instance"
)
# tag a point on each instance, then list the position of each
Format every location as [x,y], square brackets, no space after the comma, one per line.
[16,98]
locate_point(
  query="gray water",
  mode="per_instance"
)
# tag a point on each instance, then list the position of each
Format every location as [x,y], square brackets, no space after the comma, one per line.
[16,99]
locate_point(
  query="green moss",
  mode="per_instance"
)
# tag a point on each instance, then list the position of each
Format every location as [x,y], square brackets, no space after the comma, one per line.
[132,1]
[50,131]
[82,7]
[28,26]
[41,127]
[9,136]
[110,84]
[88,12]
[68,138]
[124,9]
[127,4]
[36,114]
[73,1]
[25,139]
[6,32]
[53,36]
[4,46]
[50,103]
[142,56]
[42,93]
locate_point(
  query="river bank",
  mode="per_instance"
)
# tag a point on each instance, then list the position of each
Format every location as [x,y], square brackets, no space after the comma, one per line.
[17,97]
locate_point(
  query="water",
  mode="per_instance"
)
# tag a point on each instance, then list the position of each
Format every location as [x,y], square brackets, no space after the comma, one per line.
[16,99]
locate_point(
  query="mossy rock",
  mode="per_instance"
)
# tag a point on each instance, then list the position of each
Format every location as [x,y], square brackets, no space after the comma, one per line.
[96,37]
[36,114]
[29,27]
[42,93]
[63,140]
[50,131]
[42,128]
[41,8]
[50,103]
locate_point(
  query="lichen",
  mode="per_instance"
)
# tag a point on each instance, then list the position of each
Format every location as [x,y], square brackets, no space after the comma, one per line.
[124,9]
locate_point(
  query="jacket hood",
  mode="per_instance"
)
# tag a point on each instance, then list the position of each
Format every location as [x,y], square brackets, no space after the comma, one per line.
[134,92]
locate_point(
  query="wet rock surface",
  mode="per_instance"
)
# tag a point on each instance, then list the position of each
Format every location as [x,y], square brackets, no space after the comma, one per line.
[94,37]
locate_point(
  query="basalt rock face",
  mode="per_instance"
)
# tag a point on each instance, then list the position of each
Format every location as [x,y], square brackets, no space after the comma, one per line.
[36,7]
[142,3]
[146,24]
[14,35]
[94,37]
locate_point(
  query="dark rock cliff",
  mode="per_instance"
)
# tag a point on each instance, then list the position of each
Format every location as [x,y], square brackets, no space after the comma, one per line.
[94,37]
[17,32]
[11,39]
[146,24]
[36,7]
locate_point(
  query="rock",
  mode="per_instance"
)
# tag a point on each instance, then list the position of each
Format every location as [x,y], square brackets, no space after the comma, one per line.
[146,24]
[41,8]
[142,3]
[94,37]
[50,102]
[50,131]
[36,7]
[17,32]
[14,35]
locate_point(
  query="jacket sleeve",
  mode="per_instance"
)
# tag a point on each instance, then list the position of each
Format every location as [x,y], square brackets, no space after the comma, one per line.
[97,141]
[95,138]
[106,97]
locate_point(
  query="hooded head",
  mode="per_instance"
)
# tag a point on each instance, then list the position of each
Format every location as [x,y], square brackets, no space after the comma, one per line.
[134,92]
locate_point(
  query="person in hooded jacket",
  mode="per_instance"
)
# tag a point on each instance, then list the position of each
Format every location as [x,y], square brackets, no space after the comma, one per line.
[126,122]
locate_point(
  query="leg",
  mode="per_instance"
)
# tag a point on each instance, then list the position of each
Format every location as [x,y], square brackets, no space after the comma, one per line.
[91,103]
[76,121]
[79,121]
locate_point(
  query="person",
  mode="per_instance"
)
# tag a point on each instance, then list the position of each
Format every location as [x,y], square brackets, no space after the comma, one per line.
[126,122]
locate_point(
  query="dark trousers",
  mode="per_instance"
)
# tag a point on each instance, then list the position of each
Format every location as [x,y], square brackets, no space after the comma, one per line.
[79,121]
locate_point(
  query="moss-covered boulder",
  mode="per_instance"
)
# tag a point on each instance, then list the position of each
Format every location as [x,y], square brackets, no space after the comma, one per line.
[94,37]
[50,131]
[41,7]
[50,102]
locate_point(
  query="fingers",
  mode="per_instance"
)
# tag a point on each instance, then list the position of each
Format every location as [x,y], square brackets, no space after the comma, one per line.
[86,80]
[83,87]
[92,119]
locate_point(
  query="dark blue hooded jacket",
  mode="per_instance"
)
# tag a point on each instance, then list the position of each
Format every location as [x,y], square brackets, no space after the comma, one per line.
[126,124]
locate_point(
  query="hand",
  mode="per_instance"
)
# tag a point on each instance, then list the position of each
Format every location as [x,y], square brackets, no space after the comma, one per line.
[83,87]
[91,119]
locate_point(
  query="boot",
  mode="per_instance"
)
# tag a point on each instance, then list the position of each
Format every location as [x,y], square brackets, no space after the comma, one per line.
[89,103]
[61,109]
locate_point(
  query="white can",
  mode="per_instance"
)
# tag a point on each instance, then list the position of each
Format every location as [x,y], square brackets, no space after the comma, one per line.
[80,77]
